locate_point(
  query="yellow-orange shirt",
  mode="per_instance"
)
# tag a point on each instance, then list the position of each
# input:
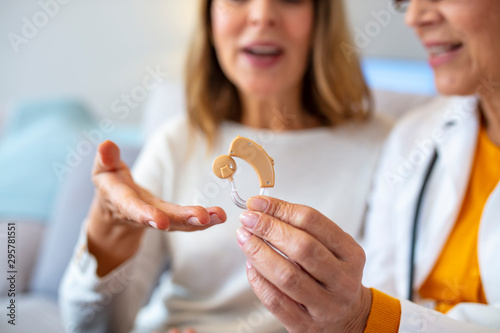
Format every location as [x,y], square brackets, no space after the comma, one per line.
[455,277]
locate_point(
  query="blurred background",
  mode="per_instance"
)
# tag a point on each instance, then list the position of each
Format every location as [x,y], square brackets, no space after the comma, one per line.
[98,50]
[73,73]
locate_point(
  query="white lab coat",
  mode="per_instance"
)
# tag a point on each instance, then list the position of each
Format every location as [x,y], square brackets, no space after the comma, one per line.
[450,125]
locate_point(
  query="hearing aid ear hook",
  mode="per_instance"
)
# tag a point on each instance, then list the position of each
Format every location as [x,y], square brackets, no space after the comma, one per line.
[224,166]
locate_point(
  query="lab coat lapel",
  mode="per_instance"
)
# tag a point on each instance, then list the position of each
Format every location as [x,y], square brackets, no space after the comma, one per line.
[489,237]
[448,185]
[423,142]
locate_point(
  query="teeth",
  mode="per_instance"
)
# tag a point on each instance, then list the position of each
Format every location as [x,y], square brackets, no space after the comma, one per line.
[441,49]
[264,50]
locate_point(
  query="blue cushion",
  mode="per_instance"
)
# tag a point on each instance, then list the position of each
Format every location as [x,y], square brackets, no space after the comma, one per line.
[70,209]
[37,134]
[399,75]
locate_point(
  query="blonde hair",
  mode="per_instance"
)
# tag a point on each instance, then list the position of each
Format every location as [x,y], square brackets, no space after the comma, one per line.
[334,90]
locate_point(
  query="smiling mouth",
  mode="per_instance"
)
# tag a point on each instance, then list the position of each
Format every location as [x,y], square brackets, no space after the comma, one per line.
[440,50]
[263,51]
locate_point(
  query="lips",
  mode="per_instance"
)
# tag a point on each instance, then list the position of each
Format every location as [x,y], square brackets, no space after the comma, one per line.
[263,54]
[263,50]
[441,53]
[438,50]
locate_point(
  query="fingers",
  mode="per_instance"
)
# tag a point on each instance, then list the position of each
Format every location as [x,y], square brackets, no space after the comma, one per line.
[309,220]
[107,158]
[125,203]
[135,209]
[288,277]
[190,218]
[128,201]
[285,309]
[186,218]
[169,217]
[217,214]
[332,290]
[296,244]
[164,215]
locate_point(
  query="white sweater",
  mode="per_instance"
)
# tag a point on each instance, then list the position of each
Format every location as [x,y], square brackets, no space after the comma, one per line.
[206,286]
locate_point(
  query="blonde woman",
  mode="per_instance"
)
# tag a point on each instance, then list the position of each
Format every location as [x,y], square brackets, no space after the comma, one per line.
[269,70]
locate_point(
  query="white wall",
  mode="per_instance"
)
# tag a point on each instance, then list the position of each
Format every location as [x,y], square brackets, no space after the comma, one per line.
[380,31]
[99,50]
[92,48]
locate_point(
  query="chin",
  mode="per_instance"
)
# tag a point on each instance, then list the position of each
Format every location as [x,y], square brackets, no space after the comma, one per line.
[261,90]
[453,85]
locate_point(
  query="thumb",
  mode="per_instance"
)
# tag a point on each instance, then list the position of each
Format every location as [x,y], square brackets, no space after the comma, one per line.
[107,157]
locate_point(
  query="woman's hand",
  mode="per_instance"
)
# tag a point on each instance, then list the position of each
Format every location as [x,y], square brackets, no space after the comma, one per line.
[318,288]
[122,210]
[124,200]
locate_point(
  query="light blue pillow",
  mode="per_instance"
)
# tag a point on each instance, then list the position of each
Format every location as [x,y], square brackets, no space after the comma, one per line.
[37,136]
[69,211]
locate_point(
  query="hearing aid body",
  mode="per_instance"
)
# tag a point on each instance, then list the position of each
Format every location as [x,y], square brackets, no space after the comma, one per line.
[224,166]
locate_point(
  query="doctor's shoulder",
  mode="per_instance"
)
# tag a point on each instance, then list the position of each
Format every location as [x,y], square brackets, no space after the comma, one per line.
[419,123]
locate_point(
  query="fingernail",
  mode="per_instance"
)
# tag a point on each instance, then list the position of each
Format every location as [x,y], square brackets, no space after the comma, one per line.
[249,264]
[249,219]
[214,219]
[243,235]
[257,204]
[194,221]
[152,224]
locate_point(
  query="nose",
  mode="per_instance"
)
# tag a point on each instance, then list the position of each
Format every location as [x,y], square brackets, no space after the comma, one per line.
[262,13]
[421,13]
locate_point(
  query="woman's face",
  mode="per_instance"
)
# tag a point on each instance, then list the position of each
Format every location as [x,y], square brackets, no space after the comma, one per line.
[263,45]
[462,38]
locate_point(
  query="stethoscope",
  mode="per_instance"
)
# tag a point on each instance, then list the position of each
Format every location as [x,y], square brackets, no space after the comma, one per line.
[416,217]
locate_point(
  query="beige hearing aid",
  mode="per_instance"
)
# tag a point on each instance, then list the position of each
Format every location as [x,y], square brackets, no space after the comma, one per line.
[225,167]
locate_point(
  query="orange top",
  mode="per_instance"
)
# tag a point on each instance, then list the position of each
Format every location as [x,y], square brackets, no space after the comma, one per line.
[455,281]
[452,281]
[385,314]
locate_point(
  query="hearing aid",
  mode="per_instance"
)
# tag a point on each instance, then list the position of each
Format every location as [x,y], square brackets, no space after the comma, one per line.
[224,166]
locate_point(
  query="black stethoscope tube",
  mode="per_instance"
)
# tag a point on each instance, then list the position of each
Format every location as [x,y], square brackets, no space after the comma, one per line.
[415,223]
